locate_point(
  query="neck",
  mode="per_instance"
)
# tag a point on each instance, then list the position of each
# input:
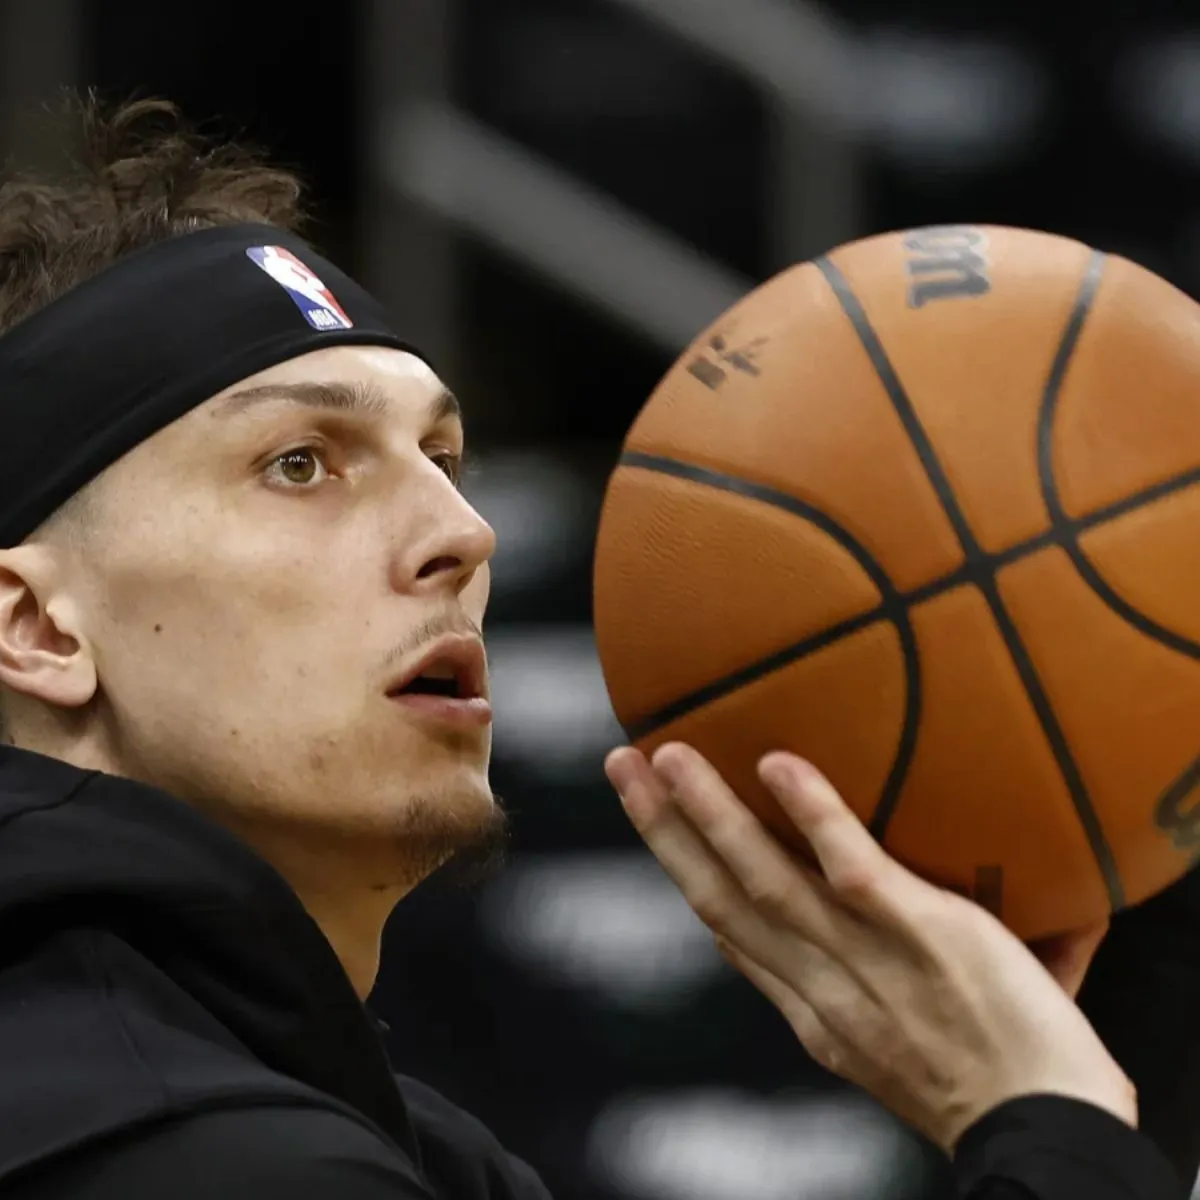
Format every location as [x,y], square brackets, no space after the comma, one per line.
[340,888]
[352,923]
[328,879]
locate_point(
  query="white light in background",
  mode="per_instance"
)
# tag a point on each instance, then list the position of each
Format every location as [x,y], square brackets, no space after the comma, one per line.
[952,104]
[729,1145]
[553,713]
[540,510]
[609,923]
[1159,87]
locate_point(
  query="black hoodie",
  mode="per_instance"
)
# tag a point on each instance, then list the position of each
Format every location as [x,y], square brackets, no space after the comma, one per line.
[173,1023]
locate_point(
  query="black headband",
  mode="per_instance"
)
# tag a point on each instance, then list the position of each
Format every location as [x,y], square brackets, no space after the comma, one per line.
[98,371]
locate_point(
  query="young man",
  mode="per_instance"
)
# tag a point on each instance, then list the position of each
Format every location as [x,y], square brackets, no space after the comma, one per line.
[246,696]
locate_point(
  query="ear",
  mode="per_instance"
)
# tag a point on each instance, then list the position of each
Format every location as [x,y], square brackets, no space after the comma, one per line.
[43,651]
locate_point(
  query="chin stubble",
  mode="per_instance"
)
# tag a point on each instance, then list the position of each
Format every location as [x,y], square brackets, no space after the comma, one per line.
[462,852]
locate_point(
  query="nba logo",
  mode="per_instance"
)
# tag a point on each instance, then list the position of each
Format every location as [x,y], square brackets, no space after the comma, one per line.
[310,295]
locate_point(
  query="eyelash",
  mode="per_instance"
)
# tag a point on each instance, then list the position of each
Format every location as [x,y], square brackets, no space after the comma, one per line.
[450,464]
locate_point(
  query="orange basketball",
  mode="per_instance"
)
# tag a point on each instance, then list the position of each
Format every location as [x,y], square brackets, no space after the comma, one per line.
[927,512]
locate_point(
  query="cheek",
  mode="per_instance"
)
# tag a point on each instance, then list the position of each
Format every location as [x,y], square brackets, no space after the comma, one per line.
[160,625]
[476,593]
[151,592]
[202,566]
[193,652]
[204,616]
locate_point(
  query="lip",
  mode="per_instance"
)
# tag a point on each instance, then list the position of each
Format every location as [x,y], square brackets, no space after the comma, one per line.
[467,658]
[474,713]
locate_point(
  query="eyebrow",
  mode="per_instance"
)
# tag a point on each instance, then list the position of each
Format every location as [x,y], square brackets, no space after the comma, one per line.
[360,398]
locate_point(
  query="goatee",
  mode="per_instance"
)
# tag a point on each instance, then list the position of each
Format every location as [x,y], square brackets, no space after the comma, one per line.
[462,846]
[483,858]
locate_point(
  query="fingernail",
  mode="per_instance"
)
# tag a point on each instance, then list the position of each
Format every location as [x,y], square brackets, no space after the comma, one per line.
[620,770]
[666,761]
[783,772]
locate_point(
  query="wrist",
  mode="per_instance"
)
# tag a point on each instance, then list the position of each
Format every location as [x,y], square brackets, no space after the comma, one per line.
[1117,1097]
[1113,1093]
[1036,1141]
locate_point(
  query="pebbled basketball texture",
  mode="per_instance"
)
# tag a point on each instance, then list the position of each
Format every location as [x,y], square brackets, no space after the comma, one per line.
[927,512]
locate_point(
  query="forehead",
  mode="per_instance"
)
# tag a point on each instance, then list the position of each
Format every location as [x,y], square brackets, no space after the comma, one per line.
[409,385]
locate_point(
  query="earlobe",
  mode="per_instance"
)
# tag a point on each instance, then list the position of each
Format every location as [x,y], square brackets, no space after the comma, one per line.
[43,651]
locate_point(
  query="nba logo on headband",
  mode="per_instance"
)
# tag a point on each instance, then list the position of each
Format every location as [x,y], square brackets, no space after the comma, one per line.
[311,296]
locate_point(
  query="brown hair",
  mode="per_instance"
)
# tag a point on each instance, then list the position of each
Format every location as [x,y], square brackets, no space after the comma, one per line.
[140,175]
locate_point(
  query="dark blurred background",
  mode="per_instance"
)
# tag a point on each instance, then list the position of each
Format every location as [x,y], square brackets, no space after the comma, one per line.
[553,197]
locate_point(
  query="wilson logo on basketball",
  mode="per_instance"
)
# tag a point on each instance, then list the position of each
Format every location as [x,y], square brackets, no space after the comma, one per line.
[946,262]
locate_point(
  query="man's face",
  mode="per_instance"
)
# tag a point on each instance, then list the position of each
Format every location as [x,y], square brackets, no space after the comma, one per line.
[267,570]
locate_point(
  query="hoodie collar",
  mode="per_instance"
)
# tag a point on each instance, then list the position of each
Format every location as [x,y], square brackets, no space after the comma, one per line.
[85,849]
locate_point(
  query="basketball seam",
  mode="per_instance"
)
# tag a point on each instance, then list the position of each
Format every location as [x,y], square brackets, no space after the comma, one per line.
[1067,537]
[978,564]
[922,594]
[892,608]
[1064,533]
[820,638]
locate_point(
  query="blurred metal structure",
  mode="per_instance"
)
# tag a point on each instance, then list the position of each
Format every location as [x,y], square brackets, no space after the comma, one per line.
[41,56]
[438,160]
[801,62]
[551,222]
[406,251]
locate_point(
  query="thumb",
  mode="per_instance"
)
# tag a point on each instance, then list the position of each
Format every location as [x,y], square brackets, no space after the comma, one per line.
[1067,956]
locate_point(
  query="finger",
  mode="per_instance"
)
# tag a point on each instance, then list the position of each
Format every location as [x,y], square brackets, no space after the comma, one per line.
[643,794]
[856,866]
[650,806]
[823,1046]
[706,885]
[774,882]
[766,981]
[1068,956]
[704,880]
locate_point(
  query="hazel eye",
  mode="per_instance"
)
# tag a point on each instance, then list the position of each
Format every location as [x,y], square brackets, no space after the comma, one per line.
[301,467]
[451,465]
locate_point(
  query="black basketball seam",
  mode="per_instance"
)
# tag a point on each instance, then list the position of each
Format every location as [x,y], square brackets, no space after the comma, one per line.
[820,638]
[978,564]
[891,608]
[1147,496]
[1058,535]
[1066,533]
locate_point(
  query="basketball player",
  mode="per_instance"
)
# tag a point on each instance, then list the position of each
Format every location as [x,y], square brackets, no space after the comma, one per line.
[246,701]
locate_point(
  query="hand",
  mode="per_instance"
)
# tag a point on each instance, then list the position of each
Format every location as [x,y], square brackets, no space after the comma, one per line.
[915,994]
[1069,955]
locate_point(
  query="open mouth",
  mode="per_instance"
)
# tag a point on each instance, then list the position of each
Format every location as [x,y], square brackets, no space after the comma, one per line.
[456,669]
[449,686]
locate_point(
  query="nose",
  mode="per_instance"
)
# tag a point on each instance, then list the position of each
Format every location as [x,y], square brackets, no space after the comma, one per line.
[454,546]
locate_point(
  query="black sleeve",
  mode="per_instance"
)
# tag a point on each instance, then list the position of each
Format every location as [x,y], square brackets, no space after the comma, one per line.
[1054,1148]
[246,1154]
[1142,995]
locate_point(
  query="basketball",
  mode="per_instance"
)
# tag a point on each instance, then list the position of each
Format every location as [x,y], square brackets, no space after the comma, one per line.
[926,511]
